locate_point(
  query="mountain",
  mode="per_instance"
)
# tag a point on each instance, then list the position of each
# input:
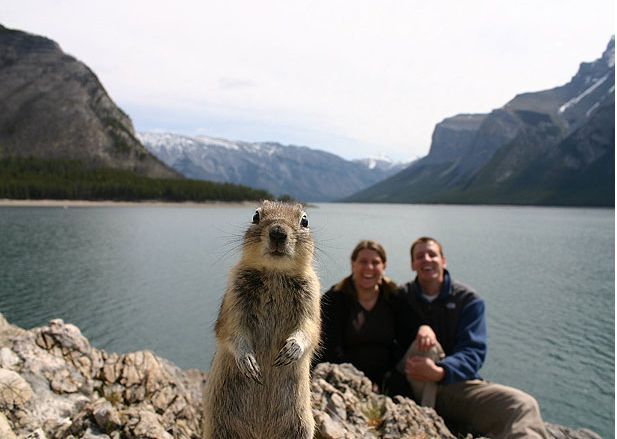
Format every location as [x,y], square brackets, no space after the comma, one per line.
[384,164]
[53,107]
[552,147]
[305,174]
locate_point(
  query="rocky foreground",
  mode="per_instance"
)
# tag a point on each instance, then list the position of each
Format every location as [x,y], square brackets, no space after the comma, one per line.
[55,385]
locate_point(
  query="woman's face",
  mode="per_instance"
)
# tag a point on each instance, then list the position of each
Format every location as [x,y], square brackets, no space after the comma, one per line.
[367,269]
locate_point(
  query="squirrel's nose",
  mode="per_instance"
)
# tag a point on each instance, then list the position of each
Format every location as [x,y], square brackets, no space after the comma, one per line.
[278,235]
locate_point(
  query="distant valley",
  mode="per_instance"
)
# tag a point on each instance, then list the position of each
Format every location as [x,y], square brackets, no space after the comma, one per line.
[62,136]
[303,173]
[553,147]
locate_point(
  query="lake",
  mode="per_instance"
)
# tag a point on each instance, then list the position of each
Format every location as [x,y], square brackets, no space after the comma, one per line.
[135,278]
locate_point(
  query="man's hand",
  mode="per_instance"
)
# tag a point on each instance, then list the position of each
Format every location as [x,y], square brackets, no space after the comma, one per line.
[423,369]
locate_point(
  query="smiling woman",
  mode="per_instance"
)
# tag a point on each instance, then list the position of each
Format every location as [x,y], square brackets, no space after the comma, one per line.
[368,263]
[358,320]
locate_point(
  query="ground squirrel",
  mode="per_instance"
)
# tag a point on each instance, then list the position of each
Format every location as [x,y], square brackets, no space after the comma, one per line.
[266,332]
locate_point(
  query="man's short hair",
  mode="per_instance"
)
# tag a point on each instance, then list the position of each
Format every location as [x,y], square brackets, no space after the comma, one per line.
[424,240]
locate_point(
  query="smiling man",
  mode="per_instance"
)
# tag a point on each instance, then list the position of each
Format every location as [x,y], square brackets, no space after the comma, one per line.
[447,361]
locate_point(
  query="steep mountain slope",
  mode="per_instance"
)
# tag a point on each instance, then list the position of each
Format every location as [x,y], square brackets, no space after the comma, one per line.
[548,147]
[52,106]
[304,173]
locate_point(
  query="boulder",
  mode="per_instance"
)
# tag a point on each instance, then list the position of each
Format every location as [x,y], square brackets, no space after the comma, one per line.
[61,386]
[344,406]
[15,392]
[55,385]
[6,432]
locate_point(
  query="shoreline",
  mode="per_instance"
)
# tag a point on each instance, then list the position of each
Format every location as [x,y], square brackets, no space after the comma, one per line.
[65,204]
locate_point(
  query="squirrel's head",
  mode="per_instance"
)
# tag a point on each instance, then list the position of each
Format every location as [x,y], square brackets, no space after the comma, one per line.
[278,238]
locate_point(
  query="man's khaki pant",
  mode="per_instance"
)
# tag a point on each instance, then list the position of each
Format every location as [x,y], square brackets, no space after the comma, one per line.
[490,409]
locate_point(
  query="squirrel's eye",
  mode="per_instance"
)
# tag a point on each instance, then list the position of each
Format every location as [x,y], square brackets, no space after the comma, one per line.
[304,221]
[256,217]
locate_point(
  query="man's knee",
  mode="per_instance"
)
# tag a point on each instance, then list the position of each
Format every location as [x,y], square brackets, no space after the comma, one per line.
[514,398]
[526,420]
[516,416]
[493,409]
[526,405]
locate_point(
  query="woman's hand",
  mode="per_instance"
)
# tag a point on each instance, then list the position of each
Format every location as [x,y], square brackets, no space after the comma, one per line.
[425,339]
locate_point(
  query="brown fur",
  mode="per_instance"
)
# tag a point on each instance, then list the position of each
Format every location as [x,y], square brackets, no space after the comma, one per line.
[267,330]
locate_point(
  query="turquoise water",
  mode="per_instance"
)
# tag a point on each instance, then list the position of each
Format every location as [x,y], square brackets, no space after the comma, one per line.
[152,278]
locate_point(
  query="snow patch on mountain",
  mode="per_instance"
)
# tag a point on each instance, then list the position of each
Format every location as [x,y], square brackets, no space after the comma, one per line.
[381,162]
[304,173]
[578,98]
[219,142]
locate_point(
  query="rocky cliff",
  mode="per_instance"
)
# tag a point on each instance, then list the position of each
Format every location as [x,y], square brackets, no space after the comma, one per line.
[553,147]
[52,106]
[55,385]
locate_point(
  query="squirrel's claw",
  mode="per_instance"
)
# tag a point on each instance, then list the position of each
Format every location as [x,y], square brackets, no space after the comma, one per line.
[291,351]
[249,367]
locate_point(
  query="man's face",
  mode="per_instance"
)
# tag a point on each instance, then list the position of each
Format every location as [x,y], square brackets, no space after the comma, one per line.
[428,262]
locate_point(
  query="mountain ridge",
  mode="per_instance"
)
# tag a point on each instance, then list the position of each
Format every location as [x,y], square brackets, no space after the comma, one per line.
[487,158]
[301,172]
[53,106]
[63,137]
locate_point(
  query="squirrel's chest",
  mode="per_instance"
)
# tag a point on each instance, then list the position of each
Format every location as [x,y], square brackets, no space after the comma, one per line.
[272,303]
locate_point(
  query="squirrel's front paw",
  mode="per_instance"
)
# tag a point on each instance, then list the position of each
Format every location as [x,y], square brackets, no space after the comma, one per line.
[247,364]
[291,351]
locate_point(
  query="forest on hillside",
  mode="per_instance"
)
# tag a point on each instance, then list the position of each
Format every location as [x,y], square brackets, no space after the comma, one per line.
[37,179]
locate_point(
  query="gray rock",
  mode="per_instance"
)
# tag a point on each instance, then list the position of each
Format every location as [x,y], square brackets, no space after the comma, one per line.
[354,410]
[8,359]
[6,432]
[559,432]
[76,388]
[144,423]
[328,428]
[14,390]
[89,434]
[7,331]
[37,434]
[106,416]
[61,387]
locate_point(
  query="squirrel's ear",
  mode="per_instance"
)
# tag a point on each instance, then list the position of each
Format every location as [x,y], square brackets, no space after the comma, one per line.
[266,203]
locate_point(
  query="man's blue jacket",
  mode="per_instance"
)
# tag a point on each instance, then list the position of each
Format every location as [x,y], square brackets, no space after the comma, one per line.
[457,317]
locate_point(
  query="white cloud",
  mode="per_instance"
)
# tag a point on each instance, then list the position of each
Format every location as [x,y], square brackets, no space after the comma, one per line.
[356,78]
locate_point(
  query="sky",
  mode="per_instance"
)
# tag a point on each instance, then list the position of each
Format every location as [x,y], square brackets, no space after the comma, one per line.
[356,78]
